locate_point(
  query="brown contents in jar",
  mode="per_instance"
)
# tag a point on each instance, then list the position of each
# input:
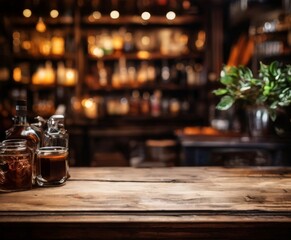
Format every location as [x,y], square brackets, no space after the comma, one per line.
[53,168]
[16,172]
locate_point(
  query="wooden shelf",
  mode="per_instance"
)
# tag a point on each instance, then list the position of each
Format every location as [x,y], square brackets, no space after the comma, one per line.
[131,123]
[253,10]
[39,57]
[137,20]
[22,21]
[148,87]
[48,87]
[286,53]
[147,56]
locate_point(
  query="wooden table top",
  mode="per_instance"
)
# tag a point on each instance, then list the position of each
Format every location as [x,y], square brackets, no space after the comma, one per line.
[154,203]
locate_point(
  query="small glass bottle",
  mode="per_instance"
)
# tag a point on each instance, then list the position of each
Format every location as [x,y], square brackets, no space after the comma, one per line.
[39,127]
[56,134]
[21,129]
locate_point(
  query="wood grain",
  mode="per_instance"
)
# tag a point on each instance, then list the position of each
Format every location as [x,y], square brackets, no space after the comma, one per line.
[154,203]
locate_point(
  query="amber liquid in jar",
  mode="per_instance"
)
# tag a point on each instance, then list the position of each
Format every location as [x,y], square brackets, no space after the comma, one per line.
[15,167]
[52,166]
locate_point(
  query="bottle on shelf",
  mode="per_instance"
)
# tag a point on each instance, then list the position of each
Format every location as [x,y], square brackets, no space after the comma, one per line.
[102,74]
[21,129]
[128,45]
[142,73]
[155,100]
[135,103]
[165,72]
[145,104]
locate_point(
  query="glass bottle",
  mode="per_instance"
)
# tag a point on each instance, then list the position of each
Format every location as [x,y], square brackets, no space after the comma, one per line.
[21,129]
[156,100]
[135,103]
[165,74]
[102,74]
[145,103]
[56,134]
[39,127]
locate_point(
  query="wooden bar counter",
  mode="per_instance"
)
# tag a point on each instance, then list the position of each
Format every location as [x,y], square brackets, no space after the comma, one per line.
[154,203]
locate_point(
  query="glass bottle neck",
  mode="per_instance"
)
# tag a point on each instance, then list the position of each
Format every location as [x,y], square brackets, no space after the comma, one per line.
[20,120]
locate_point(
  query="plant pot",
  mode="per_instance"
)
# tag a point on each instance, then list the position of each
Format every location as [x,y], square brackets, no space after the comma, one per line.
[258,121]
[282,124]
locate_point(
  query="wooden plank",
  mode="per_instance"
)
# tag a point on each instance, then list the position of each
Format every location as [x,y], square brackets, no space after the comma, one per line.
[146,216]
[88,231]
[186,174]
[137,191]
[159,203]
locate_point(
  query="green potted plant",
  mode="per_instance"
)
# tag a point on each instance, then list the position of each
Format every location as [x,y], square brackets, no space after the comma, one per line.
[269,88]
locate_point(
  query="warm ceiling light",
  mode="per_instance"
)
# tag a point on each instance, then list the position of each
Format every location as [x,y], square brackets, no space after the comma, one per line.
[26,13]
[145,15]
[54,13]
[171,15]
[40,26]
[114,14]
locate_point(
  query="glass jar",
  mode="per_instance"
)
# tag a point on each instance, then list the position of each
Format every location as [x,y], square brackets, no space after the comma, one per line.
[52,164]
[15,165]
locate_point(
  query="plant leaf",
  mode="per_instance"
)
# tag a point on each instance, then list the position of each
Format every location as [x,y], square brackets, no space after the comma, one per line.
[220,91]
[225,103]
[274,68]
[226,80]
